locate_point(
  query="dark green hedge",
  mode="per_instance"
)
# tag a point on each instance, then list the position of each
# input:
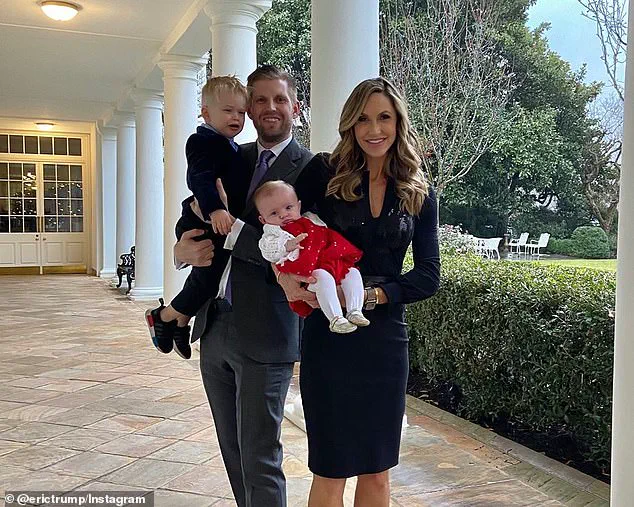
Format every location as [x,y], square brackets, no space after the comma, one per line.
[586,242]
[529,342]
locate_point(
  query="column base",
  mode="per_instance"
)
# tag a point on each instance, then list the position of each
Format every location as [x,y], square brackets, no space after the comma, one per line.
[145,293]
[107,273]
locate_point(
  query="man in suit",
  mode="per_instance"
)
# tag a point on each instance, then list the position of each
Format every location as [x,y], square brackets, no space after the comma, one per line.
[249,335]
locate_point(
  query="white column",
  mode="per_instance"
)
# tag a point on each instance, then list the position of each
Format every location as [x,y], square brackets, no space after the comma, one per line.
[126,166]
[148,274]
[622,490]
[344,51]
[181,110]
[233,42]
[109,201]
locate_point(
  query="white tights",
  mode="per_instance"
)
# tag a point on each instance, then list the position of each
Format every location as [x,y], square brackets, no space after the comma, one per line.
[325,289]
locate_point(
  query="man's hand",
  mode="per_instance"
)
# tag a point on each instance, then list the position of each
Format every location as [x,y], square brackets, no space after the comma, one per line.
[192,252]
[295,291]
[293,244]
[221,221]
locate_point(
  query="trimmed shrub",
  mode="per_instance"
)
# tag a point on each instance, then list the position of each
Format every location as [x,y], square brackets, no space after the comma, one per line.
[561,247]
[590,243]
[527,342]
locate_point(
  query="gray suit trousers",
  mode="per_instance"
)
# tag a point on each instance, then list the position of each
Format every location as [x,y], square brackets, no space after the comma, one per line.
[247,403]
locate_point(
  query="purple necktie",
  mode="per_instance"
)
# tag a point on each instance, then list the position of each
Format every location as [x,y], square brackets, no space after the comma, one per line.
[258,174]
[260,170]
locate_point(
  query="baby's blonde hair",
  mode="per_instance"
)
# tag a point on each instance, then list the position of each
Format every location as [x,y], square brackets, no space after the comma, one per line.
[268,189]
[215,85]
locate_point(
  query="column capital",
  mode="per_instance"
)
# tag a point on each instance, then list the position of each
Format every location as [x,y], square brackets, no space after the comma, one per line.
[147,99]
[108,133]
[123,119]
[181,66]
[236,13]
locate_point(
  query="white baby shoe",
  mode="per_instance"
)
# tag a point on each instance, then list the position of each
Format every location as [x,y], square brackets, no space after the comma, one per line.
[357,318]
[341,325]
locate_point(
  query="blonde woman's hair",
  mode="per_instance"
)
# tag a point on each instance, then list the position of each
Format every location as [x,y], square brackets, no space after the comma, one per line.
[403,161]
[216,85]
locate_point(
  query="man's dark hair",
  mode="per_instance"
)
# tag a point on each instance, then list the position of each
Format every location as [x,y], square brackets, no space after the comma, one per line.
[271,72]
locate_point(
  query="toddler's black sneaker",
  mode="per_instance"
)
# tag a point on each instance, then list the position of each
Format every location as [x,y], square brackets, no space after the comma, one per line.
[181,342]
[162,333]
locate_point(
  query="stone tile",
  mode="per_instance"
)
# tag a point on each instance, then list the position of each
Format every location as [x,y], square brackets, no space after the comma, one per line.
[24,395]
[7,473]
[33,432]
[30,382]
[187,452]
[179,384]
[7,446]
[35,413]
[35,457]
[66,386]
[170,428]
[78,374]
[137,446]
[106,390]
[206,435]
[77,417]
[203,480]
[148,393]
[511,493]
[7,424]
[138,407]
[201,413]
[148,473]
[125,423]
[43,480]
[166,498]
[425,469]
[6,406]
[72,400]
[90,464]
[294,467]
[83,439]
[140,380]
[191,397]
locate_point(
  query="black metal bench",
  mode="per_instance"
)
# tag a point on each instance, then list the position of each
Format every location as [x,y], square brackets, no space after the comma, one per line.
[126,268]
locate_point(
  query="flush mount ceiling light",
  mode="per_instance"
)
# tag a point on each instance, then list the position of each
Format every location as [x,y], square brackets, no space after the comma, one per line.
[45,125]
[59,11]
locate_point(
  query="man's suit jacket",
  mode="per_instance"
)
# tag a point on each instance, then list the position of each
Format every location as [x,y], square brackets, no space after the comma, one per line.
[268,330]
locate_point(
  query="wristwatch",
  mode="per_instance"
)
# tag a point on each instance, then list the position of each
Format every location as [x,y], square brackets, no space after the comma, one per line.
[371,298]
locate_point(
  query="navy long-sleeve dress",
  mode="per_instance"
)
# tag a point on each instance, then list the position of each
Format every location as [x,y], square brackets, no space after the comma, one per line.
[353,385]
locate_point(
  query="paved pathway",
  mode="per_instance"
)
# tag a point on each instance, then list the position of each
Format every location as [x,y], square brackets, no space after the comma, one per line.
[86,403]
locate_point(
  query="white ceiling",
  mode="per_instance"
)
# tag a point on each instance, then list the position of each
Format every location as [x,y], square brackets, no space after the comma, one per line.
[81,69]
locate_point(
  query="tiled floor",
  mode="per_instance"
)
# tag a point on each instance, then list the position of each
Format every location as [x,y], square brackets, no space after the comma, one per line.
[86,403]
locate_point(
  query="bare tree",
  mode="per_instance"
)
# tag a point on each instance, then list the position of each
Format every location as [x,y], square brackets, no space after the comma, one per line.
[602,152]
[444,58]
[600,176]
[610,17]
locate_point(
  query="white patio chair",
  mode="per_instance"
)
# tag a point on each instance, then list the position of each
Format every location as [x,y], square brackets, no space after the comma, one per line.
[516,245]
[533,248]
[491,248]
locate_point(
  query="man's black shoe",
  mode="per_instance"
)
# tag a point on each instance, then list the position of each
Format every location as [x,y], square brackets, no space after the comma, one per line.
[162,333]
[181,342]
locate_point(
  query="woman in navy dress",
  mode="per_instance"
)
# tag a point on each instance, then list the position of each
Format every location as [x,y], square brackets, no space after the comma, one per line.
[373,191]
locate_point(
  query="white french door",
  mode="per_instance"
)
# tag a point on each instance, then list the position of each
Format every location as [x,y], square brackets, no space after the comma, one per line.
[42,220]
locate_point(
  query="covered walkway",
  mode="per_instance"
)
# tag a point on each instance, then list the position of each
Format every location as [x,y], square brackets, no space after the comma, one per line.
[87,403]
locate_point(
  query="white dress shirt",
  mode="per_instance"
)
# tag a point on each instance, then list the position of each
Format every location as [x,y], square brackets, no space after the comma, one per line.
[236,228]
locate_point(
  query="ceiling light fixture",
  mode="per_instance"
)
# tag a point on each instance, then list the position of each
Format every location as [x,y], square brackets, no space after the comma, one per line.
[45,125]
[59,11]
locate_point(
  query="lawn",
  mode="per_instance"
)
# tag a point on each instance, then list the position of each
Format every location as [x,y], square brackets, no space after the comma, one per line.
[604,264]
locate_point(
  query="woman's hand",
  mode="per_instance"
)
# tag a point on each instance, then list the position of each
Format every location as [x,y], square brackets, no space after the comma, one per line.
[192,252]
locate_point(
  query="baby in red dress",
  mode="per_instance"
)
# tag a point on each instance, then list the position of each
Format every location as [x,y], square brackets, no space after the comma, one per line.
[304,245]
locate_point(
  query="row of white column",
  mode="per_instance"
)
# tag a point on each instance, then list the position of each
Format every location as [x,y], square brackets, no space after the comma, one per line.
[148,170]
